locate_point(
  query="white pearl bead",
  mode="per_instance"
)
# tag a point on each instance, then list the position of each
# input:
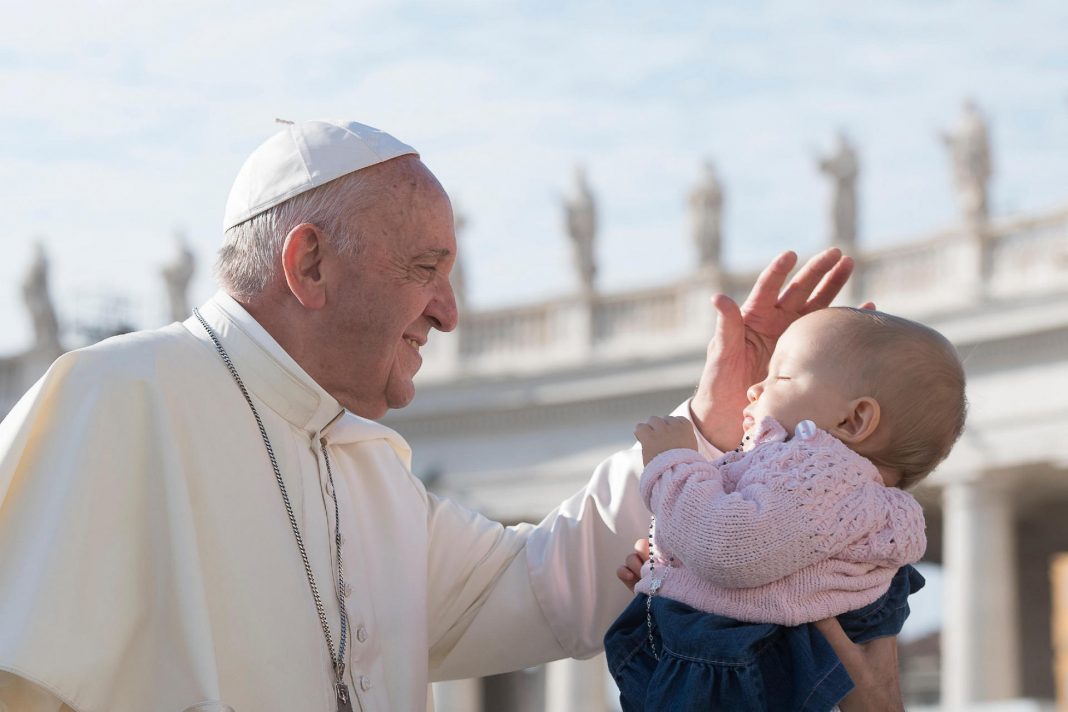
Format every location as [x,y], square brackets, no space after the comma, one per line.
[806,430]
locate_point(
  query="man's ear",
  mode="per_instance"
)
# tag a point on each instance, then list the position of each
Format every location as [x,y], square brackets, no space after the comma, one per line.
[860,421]
[302,262]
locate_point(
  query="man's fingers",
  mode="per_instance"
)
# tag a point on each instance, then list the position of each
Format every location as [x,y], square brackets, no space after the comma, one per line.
[867,305]
[631,571]
[830,285]
[629,579]
[730,330]
[799,292]
[765,292]
[848,651]
[641,548]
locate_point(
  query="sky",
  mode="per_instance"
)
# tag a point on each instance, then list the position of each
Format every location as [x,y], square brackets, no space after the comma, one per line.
[123,123]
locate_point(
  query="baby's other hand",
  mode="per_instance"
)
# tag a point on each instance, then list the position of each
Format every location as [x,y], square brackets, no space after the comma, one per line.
[659,435]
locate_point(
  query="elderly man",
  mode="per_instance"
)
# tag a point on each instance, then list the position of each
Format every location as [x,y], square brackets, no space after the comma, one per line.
[206,517]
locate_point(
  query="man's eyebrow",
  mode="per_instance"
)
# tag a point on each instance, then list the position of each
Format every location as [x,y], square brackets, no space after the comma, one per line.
[438,252]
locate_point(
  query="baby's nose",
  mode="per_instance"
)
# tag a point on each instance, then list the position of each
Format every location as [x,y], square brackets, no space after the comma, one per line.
[753,393]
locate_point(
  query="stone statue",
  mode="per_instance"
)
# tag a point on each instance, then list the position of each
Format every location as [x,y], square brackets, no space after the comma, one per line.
[457,277]
[969,150]
[843,167]
[706,208]
[177,275]
[39,302]
[581,213]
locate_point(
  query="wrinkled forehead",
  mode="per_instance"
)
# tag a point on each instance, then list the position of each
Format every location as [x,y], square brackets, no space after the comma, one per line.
[405,202]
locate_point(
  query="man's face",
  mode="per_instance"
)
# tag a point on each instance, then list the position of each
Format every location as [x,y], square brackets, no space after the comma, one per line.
[390,295]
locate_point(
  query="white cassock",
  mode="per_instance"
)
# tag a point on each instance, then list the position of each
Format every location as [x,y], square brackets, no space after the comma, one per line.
[147,563]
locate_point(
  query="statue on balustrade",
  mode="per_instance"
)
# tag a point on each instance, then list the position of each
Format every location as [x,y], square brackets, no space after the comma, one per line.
[842,166]
[177,275]
[969,150]
[706,208]
[581,213]
[457,278]
[35,294]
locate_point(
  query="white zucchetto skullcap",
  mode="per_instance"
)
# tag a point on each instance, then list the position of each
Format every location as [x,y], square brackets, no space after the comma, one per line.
[303,156]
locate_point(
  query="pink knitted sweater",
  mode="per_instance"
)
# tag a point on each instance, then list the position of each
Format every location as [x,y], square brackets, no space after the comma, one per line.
[788,532]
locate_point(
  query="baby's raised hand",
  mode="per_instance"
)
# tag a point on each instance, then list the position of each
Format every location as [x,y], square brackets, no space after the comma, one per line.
[659,435]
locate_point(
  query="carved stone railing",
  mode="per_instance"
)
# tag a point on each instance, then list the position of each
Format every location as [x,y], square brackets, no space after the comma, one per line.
[1004,260]
[573,331]
[944,273]
[1029,257]
[906,278]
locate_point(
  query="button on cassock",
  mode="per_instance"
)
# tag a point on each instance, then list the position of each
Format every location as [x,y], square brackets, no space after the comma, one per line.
[365,683]
[361,634]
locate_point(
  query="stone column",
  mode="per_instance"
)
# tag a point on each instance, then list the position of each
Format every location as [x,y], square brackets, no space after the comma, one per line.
[458,695]
[576,685]
[980,633]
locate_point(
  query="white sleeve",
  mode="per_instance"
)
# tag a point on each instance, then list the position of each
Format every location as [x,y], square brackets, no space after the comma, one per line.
[575,551]
[561,594]
[483,617]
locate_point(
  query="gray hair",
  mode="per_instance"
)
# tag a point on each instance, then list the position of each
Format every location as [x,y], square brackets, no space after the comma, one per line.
[251,253]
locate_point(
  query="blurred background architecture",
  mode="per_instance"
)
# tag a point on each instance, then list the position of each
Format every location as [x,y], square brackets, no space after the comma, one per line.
[518,405]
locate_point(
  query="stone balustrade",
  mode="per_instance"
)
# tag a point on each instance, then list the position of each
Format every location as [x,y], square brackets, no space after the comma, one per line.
[1029,256]
[947,271]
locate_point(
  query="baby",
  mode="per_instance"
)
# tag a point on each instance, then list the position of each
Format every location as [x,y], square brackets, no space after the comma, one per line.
[807,519]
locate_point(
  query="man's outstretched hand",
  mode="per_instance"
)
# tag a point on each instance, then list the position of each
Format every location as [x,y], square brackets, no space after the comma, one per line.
[745,336]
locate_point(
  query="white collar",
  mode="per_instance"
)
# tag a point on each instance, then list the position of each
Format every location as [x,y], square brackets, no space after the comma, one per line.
[272,374]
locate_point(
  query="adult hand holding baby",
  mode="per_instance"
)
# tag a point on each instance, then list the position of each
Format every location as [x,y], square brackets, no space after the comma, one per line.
[745,336]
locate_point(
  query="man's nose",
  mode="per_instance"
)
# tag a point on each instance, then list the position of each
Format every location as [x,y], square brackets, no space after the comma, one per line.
[442,310]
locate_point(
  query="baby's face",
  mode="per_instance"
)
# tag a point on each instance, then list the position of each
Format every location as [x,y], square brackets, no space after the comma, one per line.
[804,378]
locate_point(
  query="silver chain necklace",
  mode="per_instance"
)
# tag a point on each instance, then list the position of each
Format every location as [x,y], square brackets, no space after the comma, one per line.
[341,691]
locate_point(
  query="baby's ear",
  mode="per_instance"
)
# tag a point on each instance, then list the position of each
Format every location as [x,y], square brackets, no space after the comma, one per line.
[860,421]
